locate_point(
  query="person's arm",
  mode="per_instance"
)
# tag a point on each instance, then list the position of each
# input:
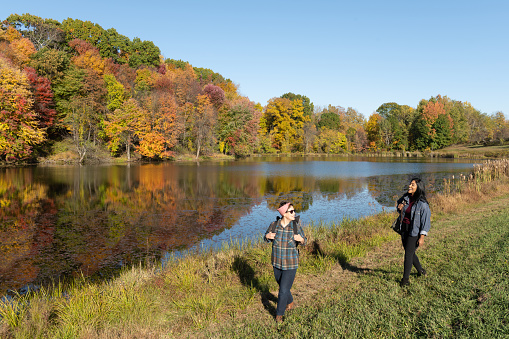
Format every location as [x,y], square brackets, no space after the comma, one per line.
[301,237]
[401,203]
[420,241]
[269,236]
[425,224]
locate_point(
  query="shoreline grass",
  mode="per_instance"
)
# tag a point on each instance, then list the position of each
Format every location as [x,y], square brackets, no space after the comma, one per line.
[346,285]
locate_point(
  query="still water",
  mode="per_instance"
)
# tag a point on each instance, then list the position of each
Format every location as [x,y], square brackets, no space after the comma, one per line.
[60,221]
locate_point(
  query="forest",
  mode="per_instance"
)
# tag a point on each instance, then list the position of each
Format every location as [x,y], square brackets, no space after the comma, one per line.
[95,88]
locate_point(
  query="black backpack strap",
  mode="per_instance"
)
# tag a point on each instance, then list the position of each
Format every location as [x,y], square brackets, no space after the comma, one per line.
[296,225]
[272,227]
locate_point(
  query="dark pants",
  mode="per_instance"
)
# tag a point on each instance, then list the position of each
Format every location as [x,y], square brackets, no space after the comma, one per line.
[410,245]
[285,281]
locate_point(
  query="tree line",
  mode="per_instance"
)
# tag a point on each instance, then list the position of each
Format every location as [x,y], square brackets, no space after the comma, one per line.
[73,79]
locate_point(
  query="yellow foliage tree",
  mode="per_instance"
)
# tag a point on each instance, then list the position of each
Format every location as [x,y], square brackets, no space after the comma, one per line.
[124,125]
[19,127]
[330,141]
[285,119]
[373,129]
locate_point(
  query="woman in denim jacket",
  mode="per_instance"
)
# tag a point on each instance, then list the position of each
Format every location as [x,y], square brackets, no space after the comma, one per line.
[285,256]
[417,219]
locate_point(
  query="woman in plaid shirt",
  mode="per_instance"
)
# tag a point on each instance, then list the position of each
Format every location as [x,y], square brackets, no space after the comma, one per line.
[285,256]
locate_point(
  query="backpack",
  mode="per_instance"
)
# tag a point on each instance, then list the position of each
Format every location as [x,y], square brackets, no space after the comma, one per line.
[272,227]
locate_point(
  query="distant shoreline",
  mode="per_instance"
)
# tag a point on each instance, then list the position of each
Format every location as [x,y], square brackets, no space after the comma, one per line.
[103,157]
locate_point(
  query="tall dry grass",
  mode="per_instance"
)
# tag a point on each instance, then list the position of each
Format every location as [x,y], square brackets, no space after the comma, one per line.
[486,181]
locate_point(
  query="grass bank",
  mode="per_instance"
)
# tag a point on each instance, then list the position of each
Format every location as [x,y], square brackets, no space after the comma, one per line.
[474,151]
[347,284]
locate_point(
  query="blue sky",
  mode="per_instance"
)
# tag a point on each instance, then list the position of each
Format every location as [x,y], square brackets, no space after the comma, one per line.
[357,54]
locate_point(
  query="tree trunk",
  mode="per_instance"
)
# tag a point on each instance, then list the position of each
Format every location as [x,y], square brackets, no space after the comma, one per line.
[128,148]
[198,150]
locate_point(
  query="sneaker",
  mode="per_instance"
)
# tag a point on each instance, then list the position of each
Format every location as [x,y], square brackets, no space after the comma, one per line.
[404,282]
[279,319]
[422,272]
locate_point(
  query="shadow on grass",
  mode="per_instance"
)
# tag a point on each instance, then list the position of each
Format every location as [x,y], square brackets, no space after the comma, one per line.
[316,250]
[247,276]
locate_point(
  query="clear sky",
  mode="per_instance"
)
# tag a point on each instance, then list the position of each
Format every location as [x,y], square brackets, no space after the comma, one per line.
[357,54]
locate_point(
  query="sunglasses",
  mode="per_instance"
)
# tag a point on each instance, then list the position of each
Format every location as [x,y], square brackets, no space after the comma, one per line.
[292,211]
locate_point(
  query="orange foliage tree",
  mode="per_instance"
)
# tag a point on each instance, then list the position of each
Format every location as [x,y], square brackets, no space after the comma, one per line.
[162,128]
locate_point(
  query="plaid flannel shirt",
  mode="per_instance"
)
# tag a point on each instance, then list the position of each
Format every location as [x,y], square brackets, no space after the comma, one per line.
[285,255]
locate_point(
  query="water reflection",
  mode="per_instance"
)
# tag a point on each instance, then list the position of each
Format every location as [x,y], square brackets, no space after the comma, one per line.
[58,221]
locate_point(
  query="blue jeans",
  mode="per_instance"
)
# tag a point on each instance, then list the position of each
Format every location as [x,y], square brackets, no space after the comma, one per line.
[285,281]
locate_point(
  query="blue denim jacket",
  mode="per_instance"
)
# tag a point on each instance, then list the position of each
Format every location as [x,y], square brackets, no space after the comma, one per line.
[420,216]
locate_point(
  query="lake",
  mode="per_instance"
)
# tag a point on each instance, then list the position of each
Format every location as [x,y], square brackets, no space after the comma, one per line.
[61,221]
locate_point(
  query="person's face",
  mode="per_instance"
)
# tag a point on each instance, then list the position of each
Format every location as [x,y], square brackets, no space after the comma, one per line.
[290,214]
[412,187]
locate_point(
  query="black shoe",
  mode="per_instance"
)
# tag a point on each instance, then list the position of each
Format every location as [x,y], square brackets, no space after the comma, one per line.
[404,282]
[422,272]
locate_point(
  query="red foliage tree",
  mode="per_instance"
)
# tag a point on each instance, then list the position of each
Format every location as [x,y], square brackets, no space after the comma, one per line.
[43,98]
[215,94]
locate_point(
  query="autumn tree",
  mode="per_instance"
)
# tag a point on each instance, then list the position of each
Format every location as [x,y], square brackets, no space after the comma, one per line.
[116,94]
[330,141]
[44,106]
[15,47]
[20,129]
[187,88]
[373,131]
[215,94]
[161,128]
[360,140]
[285,118]
[111,44]
[87,56]
[396,120]
[203,121]
[501,127]
[309,134]
[123,126]
[41,32]
[79,121]
[432,127]
[329,120]
[237,128]
[51,64]
[81,104]
[307,105]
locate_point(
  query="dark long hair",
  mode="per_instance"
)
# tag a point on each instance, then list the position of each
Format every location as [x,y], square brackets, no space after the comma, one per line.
[420,192]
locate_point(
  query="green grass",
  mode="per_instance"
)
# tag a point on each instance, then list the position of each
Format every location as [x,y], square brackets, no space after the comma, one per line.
[474,151]
[464,295]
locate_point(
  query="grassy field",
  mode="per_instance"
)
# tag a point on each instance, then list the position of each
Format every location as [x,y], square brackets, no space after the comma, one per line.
[346,286]
[474,151]
[464,295]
